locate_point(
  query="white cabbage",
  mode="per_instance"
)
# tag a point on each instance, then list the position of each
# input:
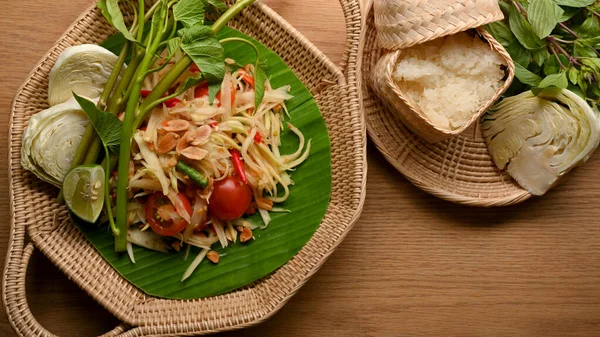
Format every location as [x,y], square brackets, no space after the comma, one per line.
[83,69]
[51,140]
[539,139]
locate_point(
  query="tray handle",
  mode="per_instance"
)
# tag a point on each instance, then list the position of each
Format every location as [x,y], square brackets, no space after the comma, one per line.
[23,321]
[352,57]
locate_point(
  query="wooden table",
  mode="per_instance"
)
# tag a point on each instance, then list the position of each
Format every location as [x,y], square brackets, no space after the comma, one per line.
[413,265]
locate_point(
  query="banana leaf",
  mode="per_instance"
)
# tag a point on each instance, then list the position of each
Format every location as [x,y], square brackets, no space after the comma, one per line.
[159,274]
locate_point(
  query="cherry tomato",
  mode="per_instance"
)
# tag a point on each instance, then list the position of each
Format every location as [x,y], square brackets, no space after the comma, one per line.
[201,90]
[162,216]
[144,93]
[230,198]
[194,68]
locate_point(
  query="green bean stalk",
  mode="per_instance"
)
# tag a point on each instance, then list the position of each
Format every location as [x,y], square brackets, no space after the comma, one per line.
[165,35]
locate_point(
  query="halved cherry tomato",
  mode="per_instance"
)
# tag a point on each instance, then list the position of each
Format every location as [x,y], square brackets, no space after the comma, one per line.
[230,198]
[144,93]
[201,90]
[162,216]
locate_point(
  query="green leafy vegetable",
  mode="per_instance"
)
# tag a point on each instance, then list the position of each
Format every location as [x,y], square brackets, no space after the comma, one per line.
[190,12]
[526,76]
[112,12]
[218,4]
[543,15]
[523,30]
[553,43]
[501,32]
[558,80]
[260,77]
[201,44]
[107,126]
[574,3]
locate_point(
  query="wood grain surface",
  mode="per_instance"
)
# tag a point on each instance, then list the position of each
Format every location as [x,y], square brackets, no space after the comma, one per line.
[413,265]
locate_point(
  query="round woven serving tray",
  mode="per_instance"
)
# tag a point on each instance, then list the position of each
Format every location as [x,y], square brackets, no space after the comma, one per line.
[459,170]
[37,222]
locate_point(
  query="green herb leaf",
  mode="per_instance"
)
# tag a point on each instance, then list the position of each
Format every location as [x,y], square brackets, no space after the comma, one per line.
[572,74]
[580,50]
[582,81]
[202,46]
[575,89]
[540,56]
[592,63]
[260,77]
[589,28]
[553,66]
[213,89]
[525,76]
[218,4]
[557,80]
[523,30]
[568,13]
[101,4]
[501,32]
[592,41]
[190,12]
[173,45]
[543,15]
[191,82]
[107,126]
[519,54]
[112,12]
[575,3]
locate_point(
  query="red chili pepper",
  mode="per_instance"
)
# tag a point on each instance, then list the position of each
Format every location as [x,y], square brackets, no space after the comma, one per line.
[171,102]
[236,158]
[213,124]
[258,137]
[144,93]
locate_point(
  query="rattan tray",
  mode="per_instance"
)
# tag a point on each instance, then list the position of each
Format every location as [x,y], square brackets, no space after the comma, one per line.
[32,205]
[459,170]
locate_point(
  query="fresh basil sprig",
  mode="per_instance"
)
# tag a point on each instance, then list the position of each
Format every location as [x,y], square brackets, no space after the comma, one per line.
[554,43]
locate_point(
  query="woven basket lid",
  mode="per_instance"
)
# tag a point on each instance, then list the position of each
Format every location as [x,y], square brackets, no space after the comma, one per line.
[404,23]
[459,169]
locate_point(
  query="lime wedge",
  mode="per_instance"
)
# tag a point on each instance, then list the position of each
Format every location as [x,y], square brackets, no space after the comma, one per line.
[83,188]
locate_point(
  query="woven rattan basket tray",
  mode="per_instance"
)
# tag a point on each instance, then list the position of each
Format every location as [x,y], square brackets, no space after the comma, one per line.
[459,170]
[336,90]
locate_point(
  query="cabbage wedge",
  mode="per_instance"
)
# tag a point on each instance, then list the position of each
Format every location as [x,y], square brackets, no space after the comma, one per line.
[539,139]
[51,140]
